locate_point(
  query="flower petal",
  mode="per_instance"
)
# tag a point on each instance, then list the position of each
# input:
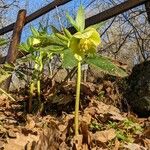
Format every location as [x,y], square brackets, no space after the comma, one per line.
[95,38]
[92,49]
[74,42]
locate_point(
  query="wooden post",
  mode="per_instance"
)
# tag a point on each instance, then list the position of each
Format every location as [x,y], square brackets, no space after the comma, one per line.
[147,6]
[13,48]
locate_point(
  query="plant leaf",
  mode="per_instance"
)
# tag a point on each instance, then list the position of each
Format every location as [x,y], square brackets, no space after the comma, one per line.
[54,48]
[62,37]
[80,19]
[67,33]
[73,23]
[34,31]
[106,65]
[54,29]
[51,40]
[69,60]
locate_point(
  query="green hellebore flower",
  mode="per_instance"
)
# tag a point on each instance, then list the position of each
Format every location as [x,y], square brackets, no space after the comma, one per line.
[35,41]
[84,43]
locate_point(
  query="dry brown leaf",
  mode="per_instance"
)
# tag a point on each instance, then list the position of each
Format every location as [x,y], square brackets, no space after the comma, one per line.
[1,145]
[3,97]
[133,146]
[85,147]
[30,122]
[147,143]
[88,88]
[117,144]
[91,110]
[11,134]
[77,142]
[147,133]
[63,146]
[85,133]
[87,118]
[104,136]
[116,116]
[62,127]
[20,142]
[49,139]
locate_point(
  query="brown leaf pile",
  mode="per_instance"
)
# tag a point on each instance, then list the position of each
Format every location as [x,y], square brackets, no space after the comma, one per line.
[102,126]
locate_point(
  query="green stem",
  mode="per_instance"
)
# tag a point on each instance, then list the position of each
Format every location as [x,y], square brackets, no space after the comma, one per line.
[7,94]
[31,96]
[50,69]
[39,90]
[39,86]
[76,120]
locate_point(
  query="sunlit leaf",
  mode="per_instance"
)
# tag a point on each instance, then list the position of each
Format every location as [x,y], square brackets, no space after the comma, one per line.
[51,40]
[69,60]
[73,23]
[24,47]
[80,19]
[34,31]
[54,48]
[62,37]
[67,33]
[106,65]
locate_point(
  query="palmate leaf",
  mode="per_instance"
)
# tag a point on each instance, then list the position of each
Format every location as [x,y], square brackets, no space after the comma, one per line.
[105,65]
[51,40]
[73,22]
[54,49]
[80,19]
[69,60]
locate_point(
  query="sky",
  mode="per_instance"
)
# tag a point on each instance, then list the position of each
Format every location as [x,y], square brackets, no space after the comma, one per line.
[52,17]
[33,5]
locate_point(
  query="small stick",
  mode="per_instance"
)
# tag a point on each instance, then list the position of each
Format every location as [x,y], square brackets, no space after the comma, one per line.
[7,94]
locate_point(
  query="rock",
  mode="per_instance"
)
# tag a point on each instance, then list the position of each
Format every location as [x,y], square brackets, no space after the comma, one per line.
[11,134]
[138,95]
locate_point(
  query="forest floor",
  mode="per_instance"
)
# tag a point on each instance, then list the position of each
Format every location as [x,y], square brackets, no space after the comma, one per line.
[103,124]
